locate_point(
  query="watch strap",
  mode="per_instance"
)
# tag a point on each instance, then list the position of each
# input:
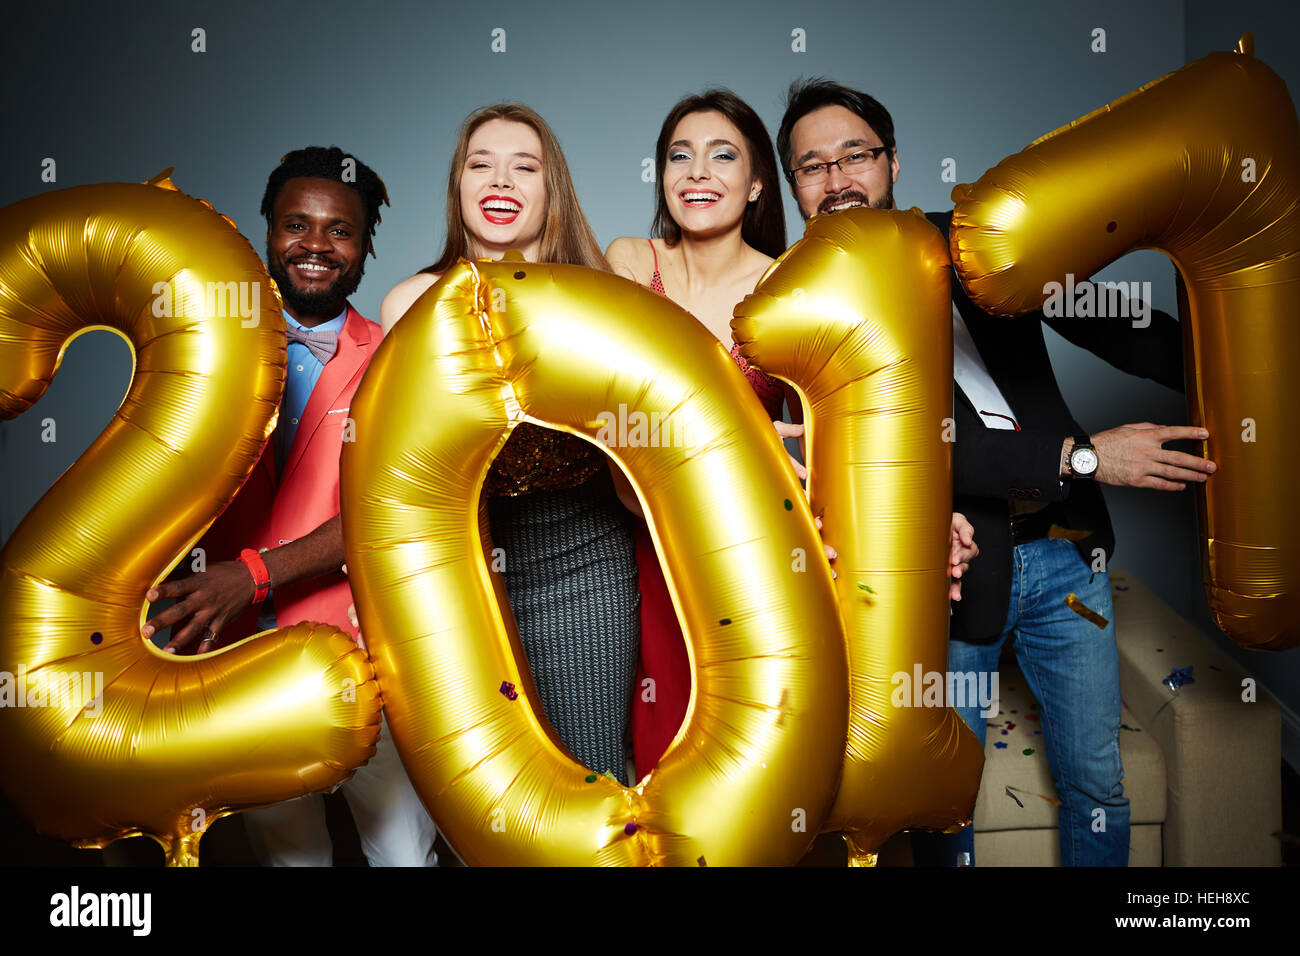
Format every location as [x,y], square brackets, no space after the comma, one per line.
[261,576]
[1081,440]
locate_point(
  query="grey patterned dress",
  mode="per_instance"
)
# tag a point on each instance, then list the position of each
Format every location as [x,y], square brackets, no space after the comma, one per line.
[570,571]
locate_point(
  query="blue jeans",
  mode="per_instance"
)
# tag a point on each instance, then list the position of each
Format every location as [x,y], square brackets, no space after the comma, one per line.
[1073,670]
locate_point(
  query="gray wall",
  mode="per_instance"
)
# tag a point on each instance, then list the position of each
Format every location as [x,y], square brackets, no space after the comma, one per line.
[116,94]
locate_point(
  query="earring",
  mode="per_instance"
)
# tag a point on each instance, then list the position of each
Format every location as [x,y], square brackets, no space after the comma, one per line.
[754,195]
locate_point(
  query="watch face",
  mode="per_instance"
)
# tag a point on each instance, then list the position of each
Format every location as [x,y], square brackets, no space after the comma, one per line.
[1083,461]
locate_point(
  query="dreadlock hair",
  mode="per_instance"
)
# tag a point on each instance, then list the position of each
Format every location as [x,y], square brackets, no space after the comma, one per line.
[317,162]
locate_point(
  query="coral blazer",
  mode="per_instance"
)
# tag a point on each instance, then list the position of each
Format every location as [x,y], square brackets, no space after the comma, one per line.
[266,513]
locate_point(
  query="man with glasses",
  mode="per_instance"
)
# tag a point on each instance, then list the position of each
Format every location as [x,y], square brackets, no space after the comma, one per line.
[1026,475]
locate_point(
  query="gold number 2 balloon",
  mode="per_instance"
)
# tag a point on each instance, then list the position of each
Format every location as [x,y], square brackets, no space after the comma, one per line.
[104,735]
[752,773]
[856,315]
[1204,165]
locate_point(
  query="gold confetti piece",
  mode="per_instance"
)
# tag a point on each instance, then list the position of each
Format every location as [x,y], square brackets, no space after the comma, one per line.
[1069,534]
[1085,612]
[1029,793]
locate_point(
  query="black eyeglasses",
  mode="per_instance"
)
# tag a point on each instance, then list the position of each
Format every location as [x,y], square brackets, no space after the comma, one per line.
[816,172]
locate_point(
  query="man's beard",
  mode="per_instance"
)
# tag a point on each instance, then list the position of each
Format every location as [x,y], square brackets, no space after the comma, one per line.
[327,302]
[884,202]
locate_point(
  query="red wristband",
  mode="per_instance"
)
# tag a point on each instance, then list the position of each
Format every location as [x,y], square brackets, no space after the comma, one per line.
[261,577]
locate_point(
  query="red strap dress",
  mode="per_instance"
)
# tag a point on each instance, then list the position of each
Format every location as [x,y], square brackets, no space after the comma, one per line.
[655,722]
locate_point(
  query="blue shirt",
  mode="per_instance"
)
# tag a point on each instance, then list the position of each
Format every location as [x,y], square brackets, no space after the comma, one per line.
[303,373]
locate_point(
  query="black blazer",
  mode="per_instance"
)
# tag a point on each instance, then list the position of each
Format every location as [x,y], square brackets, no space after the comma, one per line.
[993,466]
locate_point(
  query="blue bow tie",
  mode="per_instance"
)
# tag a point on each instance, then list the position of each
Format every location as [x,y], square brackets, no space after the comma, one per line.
[323,345]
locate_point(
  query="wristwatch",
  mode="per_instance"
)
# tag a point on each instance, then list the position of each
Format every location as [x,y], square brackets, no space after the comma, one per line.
[261,576]
[1083,458]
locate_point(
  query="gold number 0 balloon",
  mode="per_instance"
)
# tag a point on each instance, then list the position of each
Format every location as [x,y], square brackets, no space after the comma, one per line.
[1204,165]
[104,735]
[856,315]
[753,771]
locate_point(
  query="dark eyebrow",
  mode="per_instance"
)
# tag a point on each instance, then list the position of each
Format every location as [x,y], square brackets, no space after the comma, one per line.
[302,215]
[710,144]
[847,144]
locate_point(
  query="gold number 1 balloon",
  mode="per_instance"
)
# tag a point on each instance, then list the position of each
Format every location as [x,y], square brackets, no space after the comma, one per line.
[752,773]
[103,735]
[1204,165]
[856,315]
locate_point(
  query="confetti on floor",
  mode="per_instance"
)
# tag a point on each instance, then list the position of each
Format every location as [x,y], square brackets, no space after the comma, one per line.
[1027,751]
[1029,793]
[1000,745]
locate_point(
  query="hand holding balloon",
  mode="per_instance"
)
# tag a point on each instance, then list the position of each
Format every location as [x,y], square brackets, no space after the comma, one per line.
[1135,455]
[964,551]
[213,598]
[786,430]
[205,602]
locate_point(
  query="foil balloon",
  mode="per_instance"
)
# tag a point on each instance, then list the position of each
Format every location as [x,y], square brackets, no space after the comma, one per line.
[1204,165]
[856,316]
[753,769]
[104,735]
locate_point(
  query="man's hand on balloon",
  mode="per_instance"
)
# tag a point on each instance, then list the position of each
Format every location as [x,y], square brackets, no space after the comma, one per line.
[786,430]
[1135,455]
[353,620]
[831,553]
[206,602]
[963,550]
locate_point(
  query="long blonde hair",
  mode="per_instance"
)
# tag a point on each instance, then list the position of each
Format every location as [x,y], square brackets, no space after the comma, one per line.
[566,237]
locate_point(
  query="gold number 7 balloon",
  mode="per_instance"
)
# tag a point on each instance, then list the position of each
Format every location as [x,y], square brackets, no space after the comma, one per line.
[857,316]
[104,735]
[1204,165]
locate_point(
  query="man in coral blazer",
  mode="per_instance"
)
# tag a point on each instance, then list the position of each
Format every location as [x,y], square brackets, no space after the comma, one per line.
[275,555]
[299,505]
